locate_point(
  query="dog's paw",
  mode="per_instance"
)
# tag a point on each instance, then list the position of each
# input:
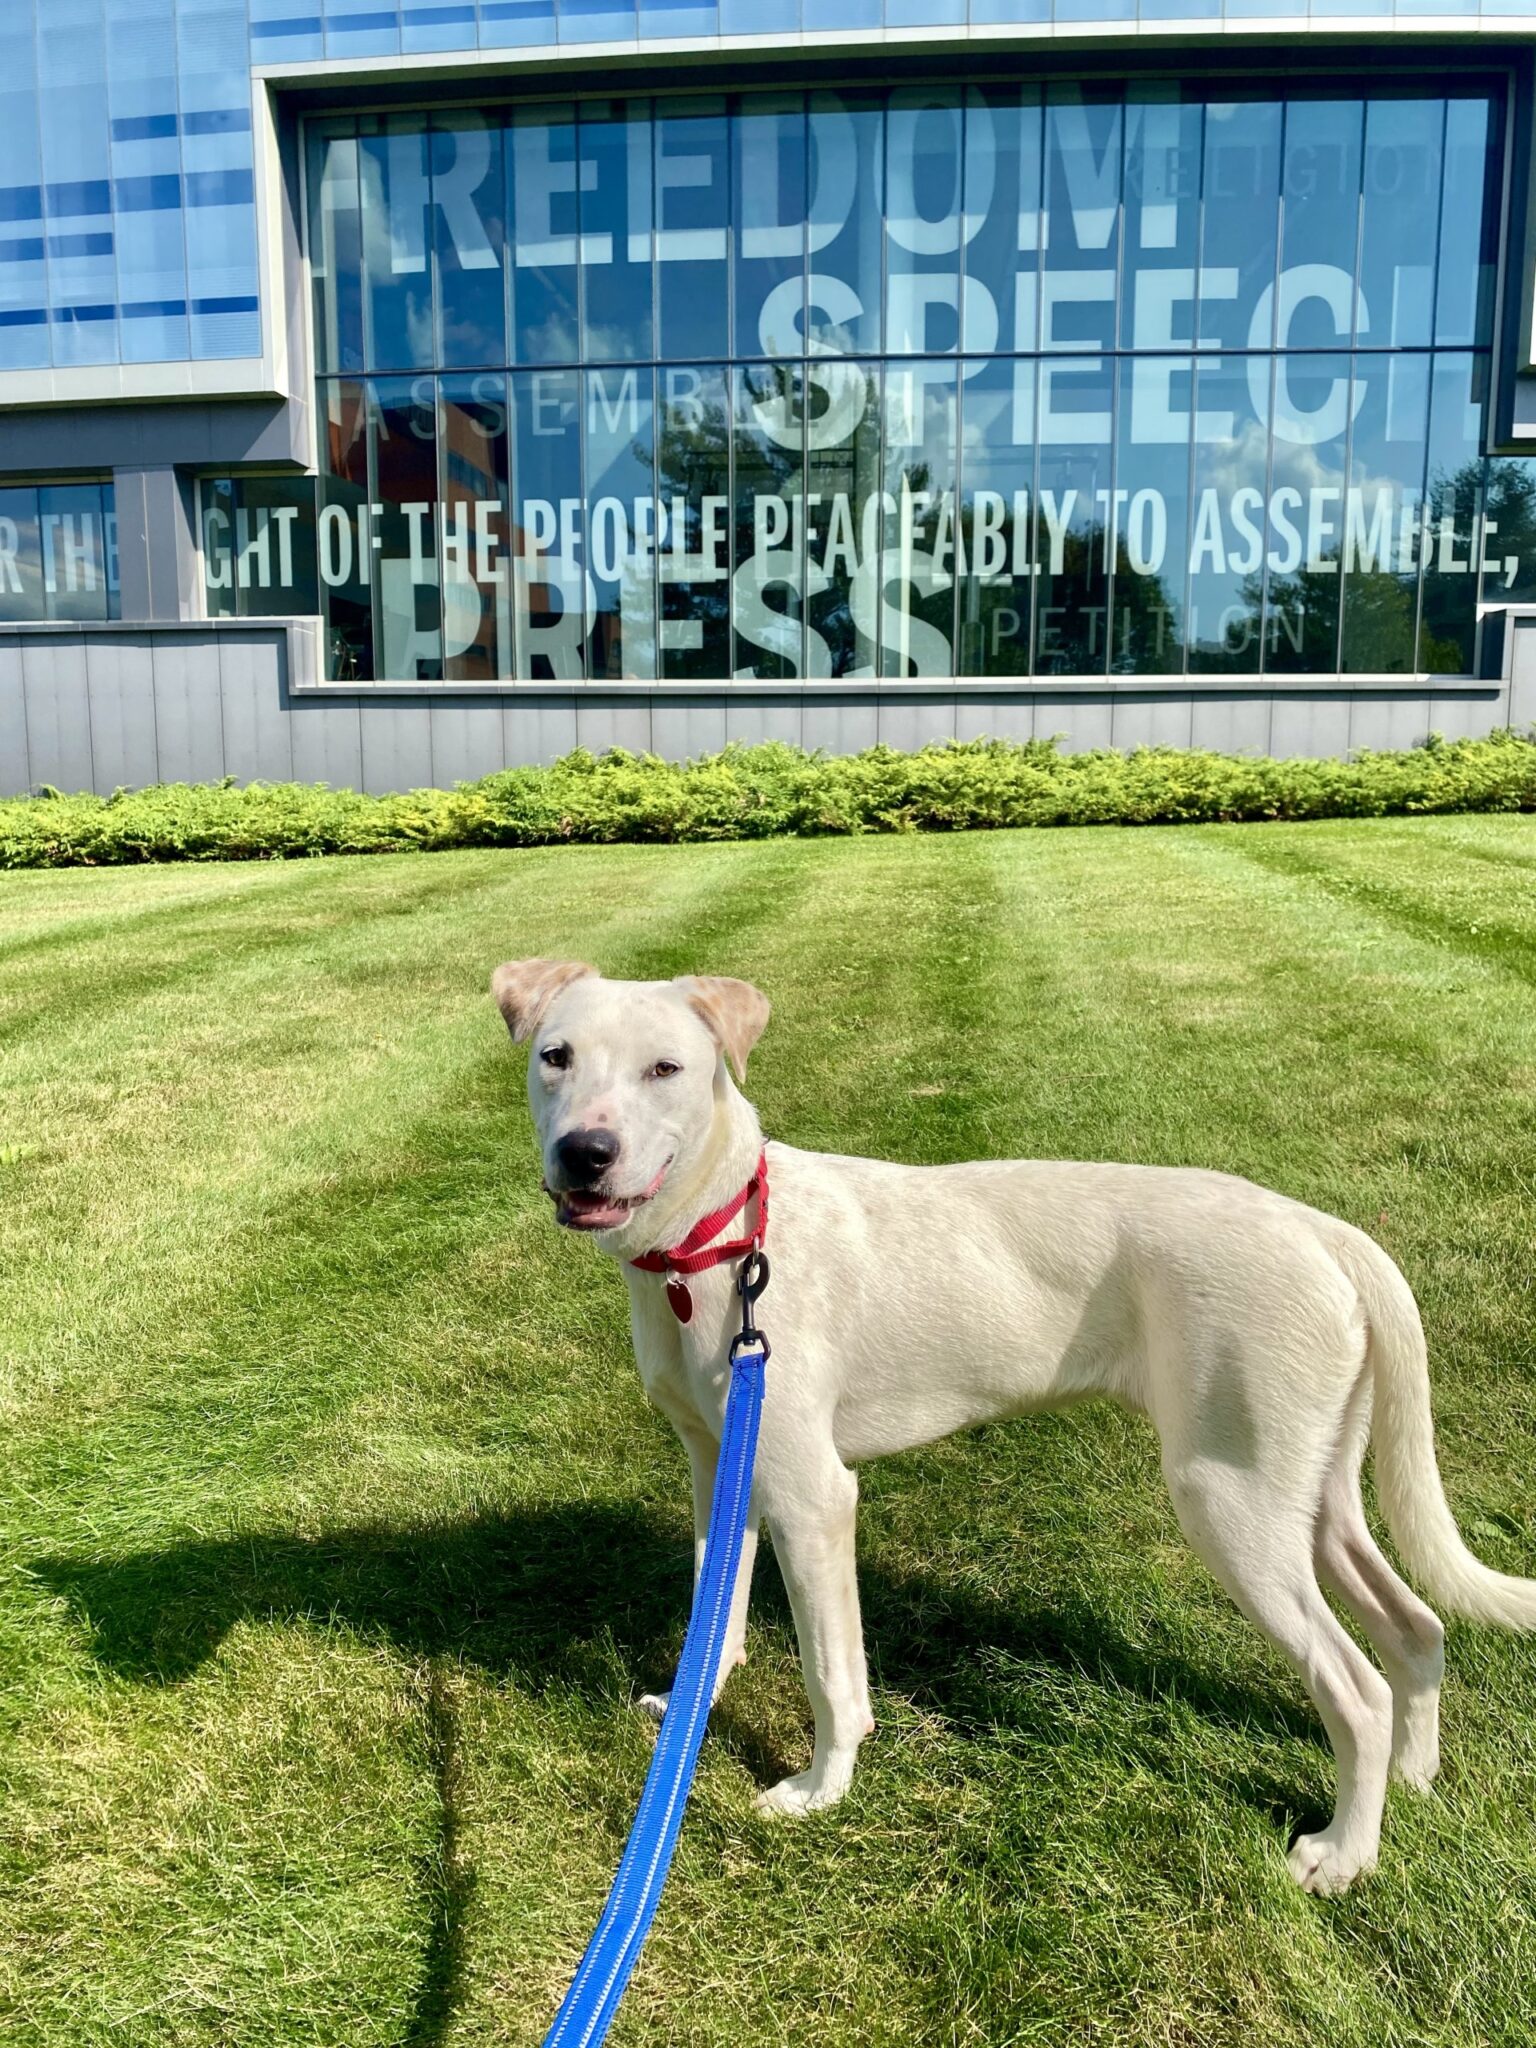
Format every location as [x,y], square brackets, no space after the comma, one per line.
[810,1792]
[654,1705]
[1320,1864]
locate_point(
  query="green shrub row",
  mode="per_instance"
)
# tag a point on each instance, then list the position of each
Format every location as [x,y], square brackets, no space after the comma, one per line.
[762,792]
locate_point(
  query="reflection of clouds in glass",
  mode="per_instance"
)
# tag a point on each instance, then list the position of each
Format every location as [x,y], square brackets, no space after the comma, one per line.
[552,341]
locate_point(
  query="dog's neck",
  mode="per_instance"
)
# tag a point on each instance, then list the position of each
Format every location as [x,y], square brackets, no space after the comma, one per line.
[727,1162]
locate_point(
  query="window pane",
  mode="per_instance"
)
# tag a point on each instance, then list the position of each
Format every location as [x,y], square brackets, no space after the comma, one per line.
[541,164]
[621,523]
[1402,186]
[1311,406]
[616,317]
[392,164]
[75,550]
[693,452]
[847,162]
[1149,514]
[842,468]
[924,212]
[1453,515]
[1240,222]
[474,441]
[912,585]
[998,476]
[1004,133]
[1227,523]
[22,595]
[259,546]
[1076,414]
[468,194]
[1382,509]
[769,168]
[343,531]
[335,245]
[1320,221]
[1509,525]
[1469,194]
[1083,130]
[1162,219]
[404,514]
[769,569]
[693,190]
[549,585]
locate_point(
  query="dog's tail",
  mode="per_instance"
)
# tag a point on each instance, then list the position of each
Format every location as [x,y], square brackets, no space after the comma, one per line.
[1407,1476]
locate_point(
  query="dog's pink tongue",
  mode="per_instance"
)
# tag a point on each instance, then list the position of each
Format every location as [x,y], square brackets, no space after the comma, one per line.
[591,1212]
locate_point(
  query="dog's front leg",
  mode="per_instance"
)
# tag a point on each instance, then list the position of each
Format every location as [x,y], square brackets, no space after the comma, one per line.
[703,1456]
[813,1538]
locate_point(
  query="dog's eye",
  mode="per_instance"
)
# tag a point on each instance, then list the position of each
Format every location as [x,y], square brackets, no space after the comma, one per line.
[664,1069]
[557,1056]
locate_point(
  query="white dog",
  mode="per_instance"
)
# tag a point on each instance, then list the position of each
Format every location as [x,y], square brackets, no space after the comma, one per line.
[907,1302]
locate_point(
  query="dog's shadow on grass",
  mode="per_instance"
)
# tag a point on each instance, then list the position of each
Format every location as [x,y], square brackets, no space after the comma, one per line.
[547,1598]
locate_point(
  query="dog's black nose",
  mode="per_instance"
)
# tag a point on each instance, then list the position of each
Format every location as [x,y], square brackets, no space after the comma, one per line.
[585,1156]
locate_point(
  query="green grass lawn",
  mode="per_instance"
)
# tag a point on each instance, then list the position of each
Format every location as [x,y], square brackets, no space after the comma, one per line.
[336,1538]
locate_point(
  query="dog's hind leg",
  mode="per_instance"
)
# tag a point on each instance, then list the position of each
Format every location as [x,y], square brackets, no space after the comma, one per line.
[813,1539]
[1258,1541]
[1406,1635]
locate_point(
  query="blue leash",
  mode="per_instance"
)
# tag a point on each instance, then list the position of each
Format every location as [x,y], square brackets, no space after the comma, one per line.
[603,1972]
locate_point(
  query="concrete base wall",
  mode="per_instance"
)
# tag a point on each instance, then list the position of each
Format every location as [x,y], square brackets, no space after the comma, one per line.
[103,707]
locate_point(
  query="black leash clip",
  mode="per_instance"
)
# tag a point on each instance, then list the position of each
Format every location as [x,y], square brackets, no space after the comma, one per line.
[750,1282]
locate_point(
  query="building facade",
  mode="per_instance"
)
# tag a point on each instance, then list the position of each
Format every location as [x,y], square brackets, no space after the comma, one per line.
[389,394]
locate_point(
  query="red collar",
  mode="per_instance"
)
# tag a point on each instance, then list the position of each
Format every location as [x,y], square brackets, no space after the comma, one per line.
[695,1254]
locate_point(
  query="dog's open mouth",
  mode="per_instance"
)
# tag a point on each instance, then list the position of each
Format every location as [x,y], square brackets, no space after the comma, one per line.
[590,1209]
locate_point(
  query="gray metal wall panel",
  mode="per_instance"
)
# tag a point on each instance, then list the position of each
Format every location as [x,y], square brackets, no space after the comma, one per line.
[1083,723]
[1310,725]
[682,728]
[58,710]
[1522,678]
[120,688]
[749,720]
[1467,715]
[1231,725]
[537,730]
[839,726]
[327,740]
[468,740]
[994,718]
[1382,721]
[1151,722]
[189,709]
[14,772]
[911,720]
[397,745]
[258,743]
[603,722]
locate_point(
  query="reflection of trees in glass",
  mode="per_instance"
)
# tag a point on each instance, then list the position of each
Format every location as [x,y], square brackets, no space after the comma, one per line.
[1381,608]
[693,462]
[1511,512]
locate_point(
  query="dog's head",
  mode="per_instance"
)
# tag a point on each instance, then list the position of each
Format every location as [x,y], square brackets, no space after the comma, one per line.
[625,1078]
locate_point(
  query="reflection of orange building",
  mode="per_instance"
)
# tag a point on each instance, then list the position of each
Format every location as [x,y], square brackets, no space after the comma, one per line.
[471,458]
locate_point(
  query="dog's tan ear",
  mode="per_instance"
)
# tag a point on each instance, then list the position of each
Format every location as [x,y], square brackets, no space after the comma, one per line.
[735,1012]
[524,990]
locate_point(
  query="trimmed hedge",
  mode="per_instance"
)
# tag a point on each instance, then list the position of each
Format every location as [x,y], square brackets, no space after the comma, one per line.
[762,792]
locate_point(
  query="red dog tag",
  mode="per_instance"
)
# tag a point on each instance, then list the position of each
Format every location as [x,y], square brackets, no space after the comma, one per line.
[680,1298]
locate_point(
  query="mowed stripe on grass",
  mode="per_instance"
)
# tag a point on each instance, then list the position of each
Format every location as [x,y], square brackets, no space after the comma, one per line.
[338,1537]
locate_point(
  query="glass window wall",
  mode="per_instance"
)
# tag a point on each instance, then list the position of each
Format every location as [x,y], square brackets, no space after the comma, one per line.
[982,380]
